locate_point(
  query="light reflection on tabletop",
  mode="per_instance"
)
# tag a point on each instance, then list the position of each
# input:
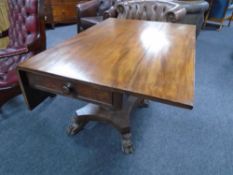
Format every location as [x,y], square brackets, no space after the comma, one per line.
[156,40]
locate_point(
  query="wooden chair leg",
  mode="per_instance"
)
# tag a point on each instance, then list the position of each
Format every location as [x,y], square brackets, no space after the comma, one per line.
[231,18]
[78,27]
[207,14]
[221,25]
[8,93]
[206,19]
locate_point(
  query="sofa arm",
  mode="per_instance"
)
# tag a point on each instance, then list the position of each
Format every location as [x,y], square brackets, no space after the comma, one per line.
[110,13]
[8,52]
[88,8]
[175,14]
[4,33]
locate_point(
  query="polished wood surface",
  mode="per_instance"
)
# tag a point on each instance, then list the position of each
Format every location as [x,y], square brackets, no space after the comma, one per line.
[152,60]
[61,11]
[115,65]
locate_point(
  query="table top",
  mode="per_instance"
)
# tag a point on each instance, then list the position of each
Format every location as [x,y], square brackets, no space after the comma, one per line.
[154,60]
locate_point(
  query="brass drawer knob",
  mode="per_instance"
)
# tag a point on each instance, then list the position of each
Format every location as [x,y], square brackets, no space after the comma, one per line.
[67,88]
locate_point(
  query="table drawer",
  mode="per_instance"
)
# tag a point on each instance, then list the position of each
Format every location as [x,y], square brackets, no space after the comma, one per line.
[66,87]
[64,13]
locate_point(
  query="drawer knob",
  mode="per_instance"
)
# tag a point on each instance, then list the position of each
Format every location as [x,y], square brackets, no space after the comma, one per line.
[67,88]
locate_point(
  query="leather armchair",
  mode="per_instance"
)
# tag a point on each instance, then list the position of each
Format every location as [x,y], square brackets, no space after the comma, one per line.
[91,13]
[147,10]
[27,38]
[195,12]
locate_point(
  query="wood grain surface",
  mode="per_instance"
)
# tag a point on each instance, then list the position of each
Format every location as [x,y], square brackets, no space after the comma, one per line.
[153,60]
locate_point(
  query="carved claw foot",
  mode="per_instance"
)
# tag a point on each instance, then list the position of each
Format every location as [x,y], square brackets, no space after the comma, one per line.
[75,127]
[127,145]
[143,103]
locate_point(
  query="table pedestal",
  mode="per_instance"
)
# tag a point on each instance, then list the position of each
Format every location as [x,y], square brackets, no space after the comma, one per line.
[119,118]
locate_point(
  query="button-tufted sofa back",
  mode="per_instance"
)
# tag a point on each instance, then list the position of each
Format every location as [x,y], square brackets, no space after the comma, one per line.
[104,5]
[27,38]
[150,10]
[25,22]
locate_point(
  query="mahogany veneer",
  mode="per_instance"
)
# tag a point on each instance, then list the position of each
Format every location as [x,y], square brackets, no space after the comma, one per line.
[112,61]
[61,11]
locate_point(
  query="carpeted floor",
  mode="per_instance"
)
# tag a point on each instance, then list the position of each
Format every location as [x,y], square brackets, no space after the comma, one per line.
[168,140]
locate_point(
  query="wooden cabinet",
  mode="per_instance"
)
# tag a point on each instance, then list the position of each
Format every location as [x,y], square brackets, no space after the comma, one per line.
[60,11]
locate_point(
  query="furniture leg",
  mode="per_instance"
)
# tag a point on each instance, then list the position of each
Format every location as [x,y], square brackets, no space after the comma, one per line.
[52,25]
[126,143]
[78,28]
[76,126]
[8,93]
[207,14]
[231,18]
[118,118]
[143,103]
[220,27]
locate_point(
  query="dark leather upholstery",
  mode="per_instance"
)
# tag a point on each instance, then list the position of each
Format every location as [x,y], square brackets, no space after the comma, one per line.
[8,52]
[27,37]
[195,12]
[91,12]
[147,10]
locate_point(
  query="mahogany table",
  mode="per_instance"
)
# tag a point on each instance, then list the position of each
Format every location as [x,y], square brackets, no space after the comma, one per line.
[115,65]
